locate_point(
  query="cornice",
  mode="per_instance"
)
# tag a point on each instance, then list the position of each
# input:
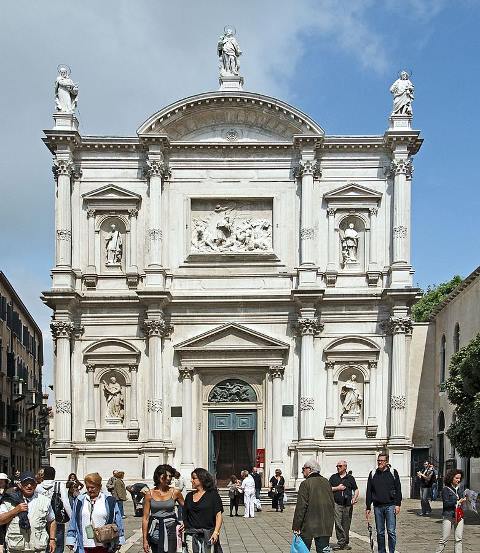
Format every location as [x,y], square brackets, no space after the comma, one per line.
[411,139]
[55,138]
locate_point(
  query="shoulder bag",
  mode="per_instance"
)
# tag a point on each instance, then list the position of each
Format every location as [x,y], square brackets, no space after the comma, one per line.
[108,532]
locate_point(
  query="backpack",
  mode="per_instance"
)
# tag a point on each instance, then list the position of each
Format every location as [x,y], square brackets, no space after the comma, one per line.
[58,508]
[394,474]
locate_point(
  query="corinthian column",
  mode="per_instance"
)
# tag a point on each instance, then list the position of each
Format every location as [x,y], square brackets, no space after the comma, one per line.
[398,327]
[401,169]
[308,170]
[186,376]
[62,333]
[90,425]
[276,374]
[62,169]
[308,326]
[156,329]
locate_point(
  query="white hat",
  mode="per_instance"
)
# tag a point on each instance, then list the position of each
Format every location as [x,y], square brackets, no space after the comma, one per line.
[3,476]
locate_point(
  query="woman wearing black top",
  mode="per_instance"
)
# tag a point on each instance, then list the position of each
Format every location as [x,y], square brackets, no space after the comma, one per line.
[202,514]
[277,488]
[452,498]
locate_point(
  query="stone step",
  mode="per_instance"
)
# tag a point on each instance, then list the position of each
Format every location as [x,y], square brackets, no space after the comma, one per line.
[264,499]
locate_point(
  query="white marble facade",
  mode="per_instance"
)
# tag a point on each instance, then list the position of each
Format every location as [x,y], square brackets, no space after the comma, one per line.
[216,246]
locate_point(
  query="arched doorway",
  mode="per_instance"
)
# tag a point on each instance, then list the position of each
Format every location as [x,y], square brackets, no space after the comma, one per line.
[232,431]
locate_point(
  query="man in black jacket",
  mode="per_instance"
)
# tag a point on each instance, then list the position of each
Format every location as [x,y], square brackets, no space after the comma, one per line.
[385,492]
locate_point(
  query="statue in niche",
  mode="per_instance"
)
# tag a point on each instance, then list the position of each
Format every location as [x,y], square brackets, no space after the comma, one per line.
[114,246]
[351,398]
[227,229]
[66,91]
[231,392]
[113,392]
[350,244]
[402,90]
[228,51]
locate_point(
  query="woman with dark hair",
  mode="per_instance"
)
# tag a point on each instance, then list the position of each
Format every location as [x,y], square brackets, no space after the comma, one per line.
[452,512]
[234,494]
[277,488]
[159,523]
[203,514]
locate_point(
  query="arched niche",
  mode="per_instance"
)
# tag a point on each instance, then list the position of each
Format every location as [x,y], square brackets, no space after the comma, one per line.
[351,393]
[112,384]
[232,390]
[352,250]
[112,241]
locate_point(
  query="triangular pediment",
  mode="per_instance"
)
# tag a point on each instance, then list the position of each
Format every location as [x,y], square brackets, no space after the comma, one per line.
[111,192]
[231,336]
[353,191]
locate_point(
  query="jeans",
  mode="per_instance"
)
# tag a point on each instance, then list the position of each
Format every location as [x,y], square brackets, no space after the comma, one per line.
[120,507]
[60,543]
[343,519]
[447,524]
[385,515]
[424,500]
[322,543]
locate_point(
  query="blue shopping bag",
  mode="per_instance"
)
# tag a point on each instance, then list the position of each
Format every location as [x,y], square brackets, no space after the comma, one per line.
[298,546]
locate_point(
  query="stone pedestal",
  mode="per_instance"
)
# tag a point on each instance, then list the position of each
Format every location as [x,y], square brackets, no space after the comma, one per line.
[230,83]
[400,122]
[65,122]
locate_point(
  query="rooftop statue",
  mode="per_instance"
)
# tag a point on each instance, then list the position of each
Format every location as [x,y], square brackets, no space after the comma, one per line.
[66,91]
[228,51]
[402,90]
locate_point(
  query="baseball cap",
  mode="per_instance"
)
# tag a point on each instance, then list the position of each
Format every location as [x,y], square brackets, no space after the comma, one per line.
[27,475]
[3,476]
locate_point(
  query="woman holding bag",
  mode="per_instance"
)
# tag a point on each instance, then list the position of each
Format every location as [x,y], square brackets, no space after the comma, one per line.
[453,500]
[277,489]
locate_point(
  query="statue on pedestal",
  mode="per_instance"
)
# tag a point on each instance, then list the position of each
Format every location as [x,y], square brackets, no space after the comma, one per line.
[350,396]
[114,246]
[228,51]
[402,90]
[350,244]
[66,91]
[113,392]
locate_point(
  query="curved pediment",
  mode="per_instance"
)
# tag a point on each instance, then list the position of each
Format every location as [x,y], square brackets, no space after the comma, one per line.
[236,117]
[110,351]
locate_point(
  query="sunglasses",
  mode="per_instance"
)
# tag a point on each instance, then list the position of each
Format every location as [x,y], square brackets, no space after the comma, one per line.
[340,466]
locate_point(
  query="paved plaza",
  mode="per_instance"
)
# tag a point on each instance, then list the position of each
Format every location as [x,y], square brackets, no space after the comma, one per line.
[270,532]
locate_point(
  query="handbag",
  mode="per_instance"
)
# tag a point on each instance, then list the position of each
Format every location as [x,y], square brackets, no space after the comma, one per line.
[459,514]
[58,508]
[108,532]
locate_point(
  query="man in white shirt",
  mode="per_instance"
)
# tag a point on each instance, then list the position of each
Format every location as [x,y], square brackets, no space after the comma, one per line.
[30,518]
[248,488]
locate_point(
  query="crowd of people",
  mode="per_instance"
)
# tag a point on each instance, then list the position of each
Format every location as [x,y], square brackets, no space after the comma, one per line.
[39,514]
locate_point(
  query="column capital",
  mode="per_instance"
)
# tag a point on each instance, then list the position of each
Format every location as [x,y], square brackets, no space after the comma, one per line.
[62,329]
[309,326]
[133,368]
[331,211]
[308,167]
[154,405]
[90,367]
[276,371]
[133,212]
[398,325]
[186,373]
[62,167]
[158,168]
[157,327]
[373,210]
[400,167]
[372,364]
[91,213]
[330,365]
[63,406]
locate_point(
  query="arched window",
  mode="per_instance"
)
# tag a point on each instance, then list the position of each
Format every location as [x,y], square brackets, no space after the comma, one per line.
[456,338]
[441,422]
[443,359]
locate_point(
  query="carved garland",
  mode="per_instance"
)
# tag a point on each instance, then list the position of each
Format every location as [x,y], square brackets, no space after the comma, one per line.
[307,404]
[154,405]
[307,233]
[64,234]
[400,231]
[398,402]
[63,406]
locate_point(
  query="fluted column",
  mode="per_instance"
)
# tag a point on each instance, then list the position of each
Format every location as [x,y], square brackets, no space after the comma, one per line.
[398,327]
[308,170]
[91,238]
[373,237]
[276,374]
[372,393]
[91,396]
[329,365]
[401,169]
[332,253]
[155,329]
[133,395]
[186,376]
[62,169]
[62,333]
[308,326]
[157,171]
[133,213]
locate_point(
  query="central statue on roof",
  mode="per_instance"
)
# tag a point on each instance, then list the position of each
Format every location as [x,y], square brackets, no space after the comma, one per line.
[228,51]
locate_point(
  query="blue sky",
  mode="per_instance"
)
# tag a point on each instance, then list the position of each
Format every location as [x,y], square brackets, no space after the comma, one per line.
[334,60]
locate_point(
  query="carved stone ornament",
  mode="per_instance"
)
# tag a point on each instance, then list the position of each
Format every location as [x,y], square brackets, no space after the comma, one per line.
[157,327]
[276,371]
[63,406]
[397,325]
[401,167]
[157,168]
[90,213]
[232,391]
[308,167]
[403,94]
[62,329]
[90,368]
[154,405]
[307,233]
[186,373]
[373,210]
[307,404]
[305,326]
[62,167]
[66,91]
[155,234]
[133,212]
[331,211]
[398,402]
[400,231]
[64,234]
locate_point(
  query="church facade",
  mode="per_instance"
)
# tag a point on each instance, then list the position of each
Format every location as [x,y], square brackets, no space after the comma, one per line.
[232,287]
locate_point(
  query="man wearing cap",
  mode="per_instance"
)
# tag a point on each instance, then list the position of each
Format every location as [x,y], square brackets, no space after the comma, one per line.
[313,517]
[345,493]
[30,518]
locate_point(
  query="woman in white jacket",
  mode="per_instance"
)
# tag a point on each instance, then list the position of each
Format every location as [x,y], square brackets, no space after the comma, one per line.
[248,489]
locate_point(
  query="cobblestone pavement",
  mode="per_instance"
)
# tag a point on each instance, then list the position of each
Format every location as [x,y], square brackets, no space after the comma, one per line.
[269,532]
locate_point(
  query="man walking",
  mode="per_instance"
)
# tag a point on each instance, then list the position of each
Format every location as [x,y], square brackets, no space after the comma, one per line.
[257,477]
[427,479]
[248,489]
[385,492]
[314,512]
[345,494]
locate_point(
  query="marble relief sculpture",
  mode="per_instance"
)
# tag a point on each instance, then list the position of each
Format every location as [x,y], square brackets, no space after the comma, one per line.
[351,398]
[228,51]
[114,246]
[402,90]
[350,244]
[114,397]
[232,391]
[228,229]
[66,91]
